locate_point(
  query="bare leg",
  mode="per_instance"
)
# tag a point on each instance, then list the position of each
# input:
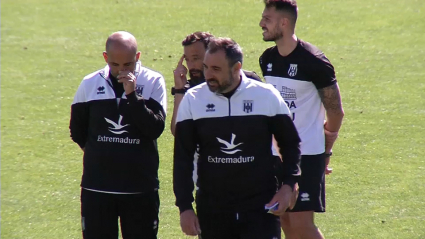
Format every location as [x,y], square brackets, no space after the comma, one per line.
[302,224]
[285,223]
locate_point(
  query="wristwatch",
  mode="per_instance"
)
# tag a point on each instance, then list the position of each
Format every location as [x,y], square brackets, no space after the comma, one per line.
[178,91]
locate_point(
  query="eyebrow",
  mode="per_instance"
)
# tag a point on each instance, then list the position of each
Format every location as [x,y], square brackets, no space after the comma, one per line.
[215,67]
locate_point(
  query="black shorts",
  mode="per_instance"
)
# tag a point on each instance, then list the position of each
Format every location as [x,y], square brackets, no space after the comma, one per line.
[138,215]
[248,225]
[311,184]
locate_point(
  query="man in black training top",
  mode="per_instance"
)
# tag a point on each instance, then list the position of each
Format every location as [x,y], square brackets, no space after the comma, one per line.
[116,116]
[306,81]
[232,119]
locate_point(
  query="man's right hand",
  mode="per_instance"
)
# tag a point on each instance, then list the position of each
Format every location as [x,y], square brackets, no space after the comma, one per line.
[180,73]
[189,223]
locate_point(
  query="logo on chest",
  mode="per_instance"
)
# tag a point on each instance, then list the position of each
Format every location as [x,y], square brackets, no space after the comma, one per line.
[248,106]
[293,68]
[230,147]
[210,108]
[269,67]
[288,93]
[139,89]
[117,128]
[101,90]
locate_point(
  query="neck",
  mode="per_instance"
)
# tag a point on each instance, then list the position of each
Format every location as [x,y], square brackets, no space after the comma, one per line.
[235,85]
[286,45]
[112,77]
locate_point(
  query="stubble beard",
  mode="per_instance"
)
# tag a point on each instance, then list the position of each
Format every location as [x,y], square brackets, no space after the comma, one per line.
[275,36]
[222,87]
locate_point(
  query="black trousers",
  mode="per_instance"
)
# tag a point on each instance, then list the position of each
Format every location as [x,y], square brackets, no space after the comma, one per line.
[138,214]
[247,225]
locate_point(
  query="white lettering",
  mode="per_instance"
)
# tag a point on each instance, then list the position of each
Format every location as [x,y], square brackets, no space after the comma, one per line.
[241,159]
[120,140]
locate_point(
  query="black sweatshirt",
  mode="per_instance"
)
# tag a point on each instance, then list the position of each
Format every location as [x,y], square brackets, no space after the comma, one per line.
[235,166]
[119,132]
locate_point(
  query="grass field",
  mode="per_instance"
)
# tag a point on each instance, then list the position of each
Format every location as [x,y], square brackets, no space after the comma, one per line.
[377,189]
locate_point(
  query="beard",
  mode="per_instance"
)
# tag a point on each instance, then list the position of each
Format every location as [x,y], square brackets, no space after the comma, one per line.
[215,86]
[274,35]
[196,75]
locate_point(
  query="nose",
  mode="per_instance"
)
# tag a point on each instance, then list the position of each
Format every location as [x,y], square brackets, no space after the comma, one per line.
[124,67]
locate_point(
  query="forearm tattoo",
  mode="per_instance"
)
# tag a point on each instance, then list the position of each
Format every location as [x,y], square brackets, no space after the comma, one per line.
[331,99]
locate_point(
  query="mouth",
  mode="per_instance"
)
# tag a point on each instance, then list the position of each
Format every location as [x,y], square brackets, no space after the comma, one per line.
[195,73]
[212,83]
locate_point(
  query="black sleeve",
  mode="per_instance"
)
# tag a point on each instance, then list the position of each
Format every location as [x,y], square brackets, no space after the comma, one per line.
[261,62]
[323,72]
[252,75]
[184,150]
[148,115]
[185,142]
[264,59]
[78,125]
[287,139]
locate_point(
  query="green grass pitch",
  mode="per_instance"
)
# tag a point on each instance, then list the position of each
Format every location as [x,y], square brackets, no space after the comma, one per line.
[377,189]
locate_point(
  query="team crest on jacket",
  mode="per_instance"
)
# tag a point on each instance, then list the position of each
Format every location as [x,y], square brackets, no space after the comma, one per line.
[139,89]
[248,105]
[292,70]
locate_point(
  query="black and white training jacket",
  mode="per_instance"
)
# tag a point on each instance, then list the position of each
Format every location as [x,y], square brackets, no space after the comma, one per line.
[235,166]
[118,133]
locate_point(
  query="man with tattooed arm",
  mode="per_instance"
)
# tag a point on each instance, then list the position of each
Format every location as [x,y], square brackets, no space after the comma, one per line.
[306,81]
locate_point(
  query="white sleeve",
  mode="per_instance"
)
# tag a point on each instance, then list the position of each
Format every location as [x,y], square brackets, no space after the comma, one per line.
[184,112]
[159,93]
[278,106]
[80,96]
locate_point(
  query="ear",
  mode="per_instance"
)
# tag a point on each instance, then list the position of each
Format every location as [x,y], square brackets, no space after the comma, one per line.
[105,56]
[285,22]
[237,67]
[137,55]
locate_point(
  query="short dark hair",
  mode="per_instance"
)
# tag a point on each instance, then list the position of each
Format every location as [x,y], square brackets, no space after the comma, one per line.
[289,6]
[231,49]
[203,37]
